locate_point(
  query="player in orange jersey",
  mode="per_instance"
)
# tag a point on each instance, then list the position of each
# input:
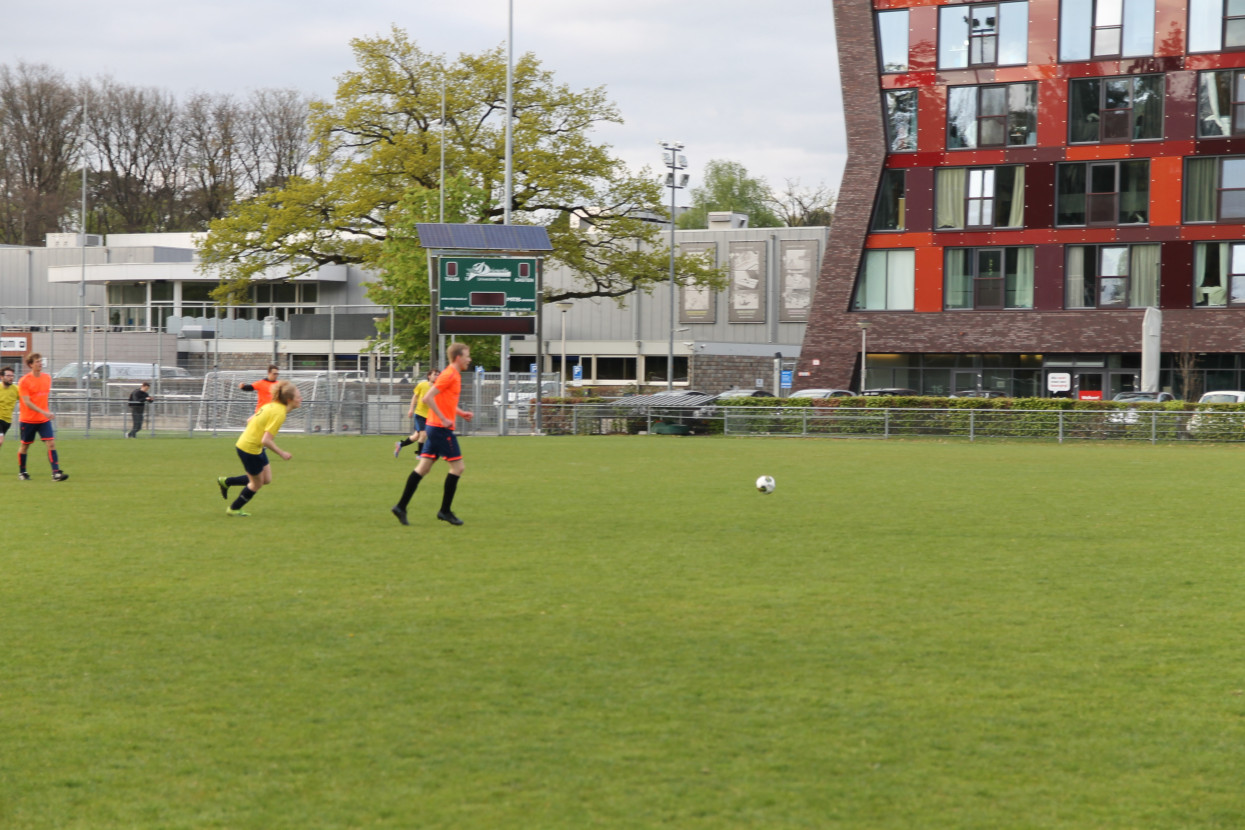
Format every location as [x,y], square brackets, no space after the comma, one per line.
[36,417]
[442,400]
[262,388]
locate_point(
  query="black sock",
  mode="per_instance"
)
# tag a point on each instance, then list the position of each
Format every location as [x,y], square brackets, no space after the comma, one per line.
[237,481]
[451,487]
[405,442]
[420,448]
[240,502]
[412,481]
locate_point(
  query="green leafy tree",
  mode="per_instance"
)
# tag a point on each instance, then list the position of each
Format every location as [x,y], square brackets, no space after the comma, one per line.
[727,186]
[381,138]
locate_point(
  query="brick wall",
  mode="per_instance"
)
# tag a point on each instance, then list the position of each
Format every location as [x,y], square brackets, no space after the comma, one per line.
[717,373]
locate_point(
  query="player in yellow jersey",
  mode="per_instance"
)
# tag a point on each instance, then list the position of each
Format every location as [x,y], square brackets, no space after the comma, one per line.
[442,400]
[8,401]
[419,411]
[260,432]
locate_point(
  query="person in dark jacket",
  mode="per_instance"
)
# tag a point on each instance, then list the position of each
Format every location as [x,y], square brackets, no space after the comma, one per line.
[139,399]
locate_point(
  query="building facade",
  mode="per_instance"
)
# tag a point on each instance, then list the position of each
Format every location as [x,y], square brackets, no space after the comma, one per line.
[1024,180]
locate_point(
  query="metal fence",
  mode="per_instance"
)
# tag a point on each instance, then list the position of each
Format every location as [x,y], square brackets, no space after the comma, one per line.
[968,424]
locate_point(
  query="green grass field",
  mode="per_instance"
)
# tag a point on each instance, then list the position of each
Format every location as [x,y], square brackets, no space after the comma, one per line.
[626,634]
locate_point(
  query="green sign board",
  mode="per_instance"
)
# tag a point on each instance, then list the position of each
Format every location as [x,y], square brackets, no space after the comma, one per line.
[472,283]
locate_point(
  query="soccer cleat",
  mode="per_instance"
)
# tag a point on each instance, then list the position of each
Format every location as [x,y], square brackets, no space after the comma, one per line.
[397,450]
[224,488]
[448,516]
[60,475]
[229,511]
[400,513]
[24,476]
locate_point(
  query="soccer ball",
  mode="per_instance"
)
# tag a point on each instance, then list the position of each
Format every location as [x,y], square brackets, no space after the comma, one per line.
[765,484]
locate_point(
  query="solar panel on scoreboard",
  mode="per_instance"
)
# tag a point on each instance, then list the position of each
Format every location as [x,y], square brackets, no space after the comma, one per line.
[483,237]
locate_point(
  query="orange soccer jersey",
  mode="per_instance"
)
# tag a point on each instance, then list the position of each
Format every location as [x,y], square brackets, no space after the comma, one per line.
[263,392]
[449,386]
[35,389]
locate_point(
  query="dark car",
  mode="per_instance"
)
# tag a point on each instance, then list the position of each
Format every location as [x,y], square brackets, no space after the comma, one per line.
[822,393]
[1145,397]
[979,393]
[889,392]
[744,393]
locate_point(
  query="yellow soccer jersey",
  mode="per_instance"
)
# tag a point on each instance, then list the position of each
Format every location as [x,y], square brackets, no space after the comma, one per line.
[421,389]
[8,400]
[269,419]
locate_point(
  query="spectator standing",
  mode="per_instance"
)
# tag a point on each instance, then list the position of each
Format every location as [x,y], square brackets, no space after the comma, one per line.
[139,399]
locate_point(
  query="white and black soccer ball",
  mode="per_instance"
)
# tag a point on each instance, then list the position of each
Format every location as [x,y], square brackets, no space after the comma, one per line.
[766,484]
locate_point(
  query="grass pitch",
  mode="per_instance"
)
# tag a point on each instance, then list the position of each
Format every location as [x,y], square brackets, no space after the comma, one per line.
[626,634]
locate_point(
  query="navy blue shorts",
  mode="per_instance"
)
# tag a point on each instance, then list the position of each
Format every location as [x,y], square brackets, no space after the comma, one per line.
[4,426]
[421,422]
[441,443]
[253,463]
[29,431]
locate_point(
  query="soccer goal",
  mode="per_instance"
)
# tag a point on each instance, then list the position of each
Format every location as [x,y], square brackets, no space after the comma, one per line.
[225,407]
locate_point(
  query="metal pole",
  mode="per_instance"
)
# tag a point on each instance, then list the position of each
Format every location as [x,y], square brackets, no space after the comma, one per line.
[562,365]
[82,277]
[441,181]
[509,117]
[670,351]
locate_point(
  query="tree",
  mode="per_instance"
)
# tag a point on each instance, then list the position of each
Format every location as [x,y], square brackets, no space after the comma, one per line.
[803,207]
[727,186]
[40,124]
[382,136]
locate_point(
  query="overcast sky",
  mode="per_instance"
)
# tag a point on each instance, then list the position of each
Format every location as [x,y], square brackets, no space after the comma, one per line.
[747,81]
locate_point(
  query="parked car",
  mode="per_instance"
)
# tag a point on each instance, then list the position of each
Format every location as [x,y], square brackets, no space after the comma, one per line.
[1131,415]
[979,393]
[821,394]
[744,393]
[521,394]
[1206,422]
[889,391]
[121,371]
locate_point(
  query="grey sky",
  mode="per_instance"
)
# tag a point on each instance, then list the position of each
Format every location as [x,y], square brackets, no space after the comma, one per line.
[741,80]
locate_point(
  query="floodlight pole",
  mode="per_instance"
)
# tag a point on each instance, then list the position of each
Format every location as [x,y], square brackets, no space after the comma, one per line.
[565,306]
[675,161]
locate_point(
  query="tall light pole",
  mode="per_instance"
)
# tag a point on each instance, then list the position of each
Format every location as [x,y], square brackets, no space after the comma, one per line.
[675,161]
[864,353]
[564,307]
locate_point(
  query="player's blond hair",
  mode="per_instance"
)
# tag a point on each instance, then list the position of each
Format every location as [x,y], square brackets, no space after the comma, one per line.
[283,392]
[455,350]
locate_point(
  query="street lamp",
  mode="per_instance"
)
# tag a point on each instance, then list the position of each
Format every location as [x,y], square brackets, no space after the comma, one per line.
[674,161]
[564,307]
[864,353]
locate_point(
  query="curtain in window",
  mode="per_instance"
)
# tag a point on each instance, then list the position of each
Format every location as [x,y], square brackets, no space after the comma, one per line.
[901,281]
[1138,27]
[961,117]
[1144,288]
[1020,282]
[1074,278]
[957,283]
[1201,177]
[1016,217]
[949,187]
[1210,274]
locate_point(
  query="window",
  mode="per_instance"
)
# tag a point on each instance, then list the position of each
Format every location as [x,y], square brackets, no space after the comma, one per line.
[887,281]
[893,40]
[888,213]
[1215,189]
[1103,193]
[1219,274]
[1106,29]
[979,197]
[993,34]
[1216,25]
[1111,276]
[988,278]
[901,120]
[997,115]
[1102,110]
[1221,104]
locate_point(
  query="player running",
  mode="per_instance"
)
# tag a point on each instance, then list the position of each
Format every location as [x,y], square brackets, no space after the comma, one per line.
[419,411]
[442,400]
[260,432]
[33,390]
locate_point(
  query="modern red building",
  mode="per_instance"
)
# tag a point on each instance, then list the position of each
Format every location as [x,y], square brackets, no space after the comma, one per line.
[1024,180]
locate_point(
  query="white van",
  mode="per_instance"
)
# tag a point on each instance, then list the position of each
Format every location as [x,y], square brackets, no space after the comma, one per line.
[122,371]
[1209,423]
